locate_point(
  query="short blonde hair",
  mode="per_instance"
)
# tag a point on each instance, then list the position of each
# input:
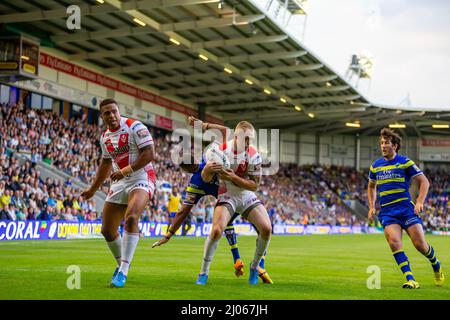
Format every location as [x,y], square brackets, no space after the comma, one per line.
[245,125]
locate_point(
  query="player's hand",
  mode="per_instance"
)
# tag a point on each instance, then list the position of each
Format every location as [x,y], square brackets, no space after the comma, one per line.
[192,120]
[212,167]
[160,242]
[226,174]
[87,194]
[116,176]
[371,214]
[418,208]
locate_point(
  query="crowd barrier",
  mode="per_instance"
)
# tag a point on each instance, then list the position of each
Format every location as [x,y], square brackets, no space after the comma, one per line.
[59,230]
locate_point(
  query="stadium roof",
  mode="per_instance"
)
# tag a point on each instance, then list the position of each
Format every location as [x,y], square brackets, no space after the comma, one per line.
[235,61]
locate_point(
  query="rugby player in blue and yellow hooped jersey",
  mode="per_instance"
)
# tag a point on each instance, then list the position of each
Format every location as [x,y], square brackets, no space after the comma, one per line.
[390,177]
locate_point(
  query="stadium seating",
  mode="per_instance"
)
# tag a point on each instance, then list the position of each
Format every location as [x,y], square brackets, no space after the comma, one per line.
[437,205]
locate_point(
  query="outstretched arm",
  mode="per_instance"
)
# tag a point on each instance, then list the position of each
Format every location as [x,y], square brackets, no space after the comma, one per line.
[103,172]
[206,125]
[176,224]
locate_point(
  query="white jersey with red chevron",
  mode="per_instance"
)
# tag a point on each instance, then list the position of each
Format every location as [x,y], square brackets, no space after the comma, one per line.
[122,146]
[244,165]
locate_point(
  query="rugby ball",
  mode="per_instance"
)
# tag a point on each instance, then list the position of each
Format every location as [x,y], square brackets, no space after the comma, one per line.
[214,154]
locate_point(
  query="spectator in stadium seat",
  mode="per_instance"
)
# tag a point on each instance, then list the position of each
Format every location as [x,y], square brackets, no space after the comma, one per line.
[199,213]
[2,186]
[20,215]
[13,142]
[59,201]
[57,214]
[31,202]
[30,214]
[5,199]
[68,202]
[51,201]
[145,217]
[90,205]
[17,200]
[76,203]
[84,204]
[5,213]
[80,215]
[65,214]
[45,214]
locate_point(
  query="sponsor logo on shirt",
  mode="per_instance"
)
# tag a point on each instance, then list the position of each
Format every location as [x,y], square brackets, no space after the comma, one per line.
[140,185]
[119,151]
[389,176]
[142,133]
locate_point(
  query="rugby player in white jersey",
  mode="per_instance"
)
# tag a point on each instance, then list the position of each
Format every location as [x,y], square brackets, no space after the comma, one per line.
[127,151]
[237,194]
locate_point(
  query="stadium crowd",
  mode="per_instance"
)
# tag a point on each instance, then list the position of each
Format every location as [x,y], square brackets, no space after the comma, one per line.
[25,195]
[296,194]
[351,184]
[437,204]
[348,183]
[69,145]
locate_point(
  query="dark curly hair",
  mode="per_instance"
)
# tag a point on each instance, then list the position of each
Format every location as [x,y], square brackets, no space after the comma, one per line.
[392,136]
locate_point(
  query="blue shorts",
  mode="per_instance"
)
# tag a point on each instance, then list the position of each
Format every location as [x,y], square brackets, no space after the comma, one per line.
[402,214]
[172,214]
[191,198]
[193,194]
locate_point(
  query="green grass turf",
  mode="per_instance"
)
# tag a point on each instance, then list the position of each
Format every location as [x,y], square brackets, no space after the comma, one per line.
[302,267]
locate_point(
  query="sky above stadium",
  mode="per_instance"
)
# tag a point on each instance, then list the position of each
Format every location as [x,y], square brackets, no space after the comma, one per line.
[408,39]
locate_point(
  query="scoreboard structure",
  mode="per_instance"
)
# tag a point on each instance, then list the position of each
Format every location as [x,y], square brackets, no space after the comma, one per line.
[19,58]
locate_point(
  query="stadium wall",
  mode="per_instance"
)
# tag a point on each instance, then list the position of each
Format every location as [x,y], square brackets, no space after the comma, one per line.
[435,151]
[88,86]
[64,230]
[341,150]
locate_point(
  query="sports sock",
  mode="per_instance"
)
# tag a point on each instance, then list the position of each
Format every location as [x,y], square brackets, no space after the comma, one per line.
[208,254]
[116,248]
[130,241]
[263,259]
[431,255]
[261,247]
[403,262]
[230,234]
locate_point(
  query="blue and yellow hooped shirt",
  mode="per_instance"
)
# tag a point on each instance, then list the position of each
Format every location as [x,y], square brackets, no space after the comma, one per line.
[393,178]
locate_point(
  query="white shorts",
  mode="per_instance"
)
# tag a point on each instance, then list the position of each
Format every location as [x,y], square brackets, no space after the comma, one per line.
[241,203]
[119,191]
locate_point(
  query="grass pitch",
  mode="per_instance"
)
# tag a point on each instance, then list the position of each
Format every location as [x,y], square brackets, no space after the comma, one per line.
[302,267]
